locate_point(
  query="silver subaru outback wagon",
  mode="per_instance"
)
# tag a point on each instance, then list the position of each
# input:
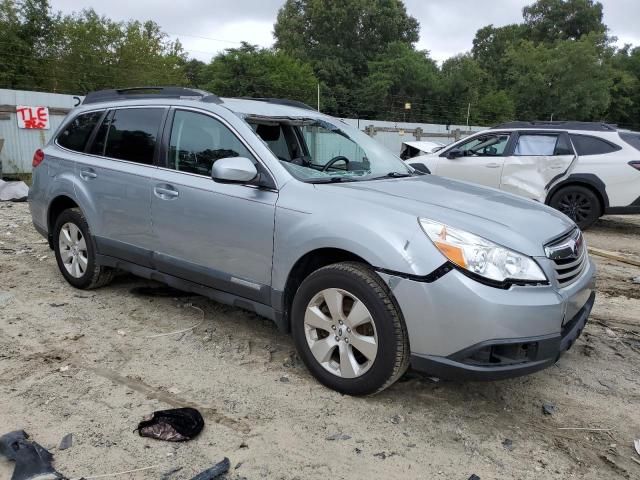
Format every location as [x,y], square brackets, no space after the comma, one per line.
[273,207]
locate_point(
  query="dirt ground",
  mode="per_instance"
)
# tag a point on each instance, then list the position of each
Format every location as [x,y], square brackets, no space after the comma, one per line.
[82,362]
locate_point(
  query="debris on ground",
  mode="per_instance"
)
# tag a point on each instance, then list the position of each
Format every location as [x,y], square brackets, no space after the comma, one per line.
[175,425]
[548,408]
[636,445]
[66,442]
[214,472]
[32,461]
[474,477]
[13,191]
[636,280]
[338,436]
[507,443]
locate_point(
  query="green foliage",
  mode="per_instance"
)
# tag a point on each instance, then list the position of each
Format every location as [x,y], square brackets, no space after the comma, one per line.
[558,61]
[340,37]
[399,74]
[250,71]
[552,20]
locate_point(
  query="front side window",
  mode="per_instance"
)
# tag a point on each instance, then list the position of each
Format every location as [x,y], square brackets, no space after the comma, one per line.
[485,145]
[132,134]
[198,140]
[75,135]
[587,145]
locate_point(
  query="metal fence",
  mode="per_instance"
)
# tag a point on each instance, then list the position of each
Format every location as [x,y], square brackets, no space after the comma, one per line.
[17,145]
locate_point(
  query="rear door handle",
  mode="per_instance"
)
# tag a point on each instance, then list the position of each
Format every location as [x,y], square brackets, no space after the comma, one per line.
[88,173]
[166,192]
[492,165]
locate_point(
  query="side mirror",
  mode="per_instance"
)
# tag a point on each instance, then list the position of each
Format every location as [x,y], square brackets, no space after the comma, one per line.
[455,153]
[234,170]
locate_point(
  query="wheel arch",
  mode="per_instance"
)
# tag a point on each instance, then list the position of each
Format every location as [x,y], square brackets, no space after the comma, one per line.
[588,180]
[302,268]
[58,205]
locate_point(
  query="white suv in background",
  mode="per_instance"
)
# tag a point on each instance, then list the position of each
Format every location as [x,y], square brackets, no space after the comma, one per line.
[583,169]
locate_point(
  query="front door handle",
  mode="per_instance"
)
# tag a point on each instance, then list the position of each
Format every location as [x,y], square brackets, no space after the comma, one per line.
[88,173]
[166,192]
[492,165]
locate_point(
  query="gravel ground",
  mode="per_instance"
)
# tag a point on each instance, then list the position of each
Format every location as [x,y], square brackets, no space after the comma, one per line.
[82,362]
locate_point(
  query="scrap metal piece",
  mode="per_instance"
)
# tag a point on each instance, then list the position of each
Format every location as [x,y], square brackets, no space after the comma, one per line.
[32,460]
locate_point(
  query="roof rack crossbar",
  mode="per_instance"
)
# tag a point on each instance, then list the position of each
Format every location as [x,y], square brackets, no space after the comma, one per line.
[560,124]
[136,93]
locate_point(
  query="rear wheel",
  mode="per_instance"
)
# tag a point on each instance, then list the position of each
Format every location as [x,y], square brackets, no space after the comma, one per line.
[75,252]
[579,203]
[348,330]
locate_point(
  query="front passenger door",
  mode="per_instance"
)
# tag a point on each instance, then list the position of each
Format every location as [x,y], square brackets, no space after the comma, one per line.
[481,163]
[216,234]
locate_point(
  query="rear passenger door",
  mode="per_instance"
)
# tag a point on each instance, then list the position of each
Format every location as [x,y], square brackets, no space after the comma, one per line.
[117,177]
[216,234]
[535,162]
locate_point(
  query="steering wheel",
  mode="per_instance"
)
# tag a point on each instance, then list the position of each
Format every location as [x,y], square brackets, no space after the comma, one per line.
[339,158]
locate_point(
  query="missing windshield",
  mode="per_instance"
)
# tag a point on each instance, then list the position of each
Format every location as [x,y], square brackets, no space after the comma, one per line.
[317,151]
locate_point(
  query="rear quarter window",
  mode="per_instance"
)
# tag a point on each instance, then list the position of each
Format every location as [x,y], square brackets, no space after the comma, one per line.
[77,133]
[632,138]
[587,145]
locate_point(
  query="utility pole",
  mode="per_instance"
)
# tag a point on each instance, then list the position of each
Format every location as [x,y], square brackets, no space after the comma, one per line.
[468,112]
[318,96]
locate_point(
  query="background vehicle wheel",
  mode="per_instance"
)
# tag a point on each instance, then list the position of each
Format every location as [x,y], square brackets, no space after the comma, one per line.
[580,204]
[348,329]
[75,252]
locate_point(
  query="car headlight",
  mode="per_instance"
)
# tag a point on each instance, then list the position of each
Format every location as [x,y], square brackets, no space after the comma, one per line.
[480,256]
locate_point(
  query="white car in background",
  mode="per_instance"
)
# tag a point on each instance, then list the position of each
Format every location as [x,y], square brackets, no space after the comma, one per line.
[583,169]
[416,148]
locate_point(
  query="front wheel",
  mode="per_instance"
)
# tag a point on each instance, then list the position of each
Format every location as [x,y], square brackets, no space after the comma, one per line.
[348,330]
[578,203]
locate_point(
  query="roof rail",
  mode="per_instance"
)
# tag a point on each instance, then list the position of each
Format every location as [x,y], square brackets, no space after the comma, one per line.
[281,101]
[149,92]
[568,125]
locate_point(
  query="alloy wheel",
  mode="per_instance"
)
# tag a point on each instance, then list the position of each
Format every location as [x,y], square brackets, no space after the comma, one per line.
[576,206]
[341,333]
[73,250]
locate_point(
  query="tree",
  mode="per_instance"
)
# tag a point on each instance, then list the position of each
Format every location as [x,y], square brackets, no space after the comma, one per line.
[250,71]
[490,45]
[567,80]
[400,74]
[552,20]
[625,90]
[340,37]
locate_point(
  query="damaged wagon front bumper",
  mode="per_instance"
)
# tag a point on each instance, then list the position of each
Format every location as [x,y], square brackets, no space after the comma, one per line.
[462,329]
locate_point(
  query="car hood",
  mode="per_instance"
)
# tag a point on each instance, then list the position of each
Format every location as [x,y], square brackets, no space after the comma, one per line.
[514,222]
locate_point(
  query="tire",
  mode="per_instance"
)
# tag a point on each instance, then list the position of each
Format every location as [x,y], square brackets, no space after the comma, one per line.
[579,203]
[75,252]
[338,362]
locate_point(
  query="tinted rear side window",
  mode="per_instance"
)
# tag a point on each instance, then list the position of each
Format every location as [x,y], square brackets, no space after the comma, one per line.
[586,145]
[133,133]
[75,135]
[631,138]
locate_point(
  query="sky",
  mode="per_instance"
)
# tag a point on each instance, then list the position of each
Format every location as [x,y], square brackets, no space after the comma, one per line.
[447,27]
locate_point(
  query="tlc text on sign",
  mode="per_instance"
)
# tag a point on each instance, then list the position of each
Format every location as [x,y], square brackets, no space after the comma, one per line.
[32,117]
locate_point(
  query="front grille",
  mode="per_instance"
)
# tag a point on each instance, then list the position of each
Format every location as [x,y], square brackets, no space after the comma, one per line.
[570,258]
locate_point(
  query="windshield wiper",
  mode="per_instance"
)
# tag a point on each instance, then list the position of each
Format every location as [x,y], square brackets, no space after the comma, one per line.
[332,180]
[393,175]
